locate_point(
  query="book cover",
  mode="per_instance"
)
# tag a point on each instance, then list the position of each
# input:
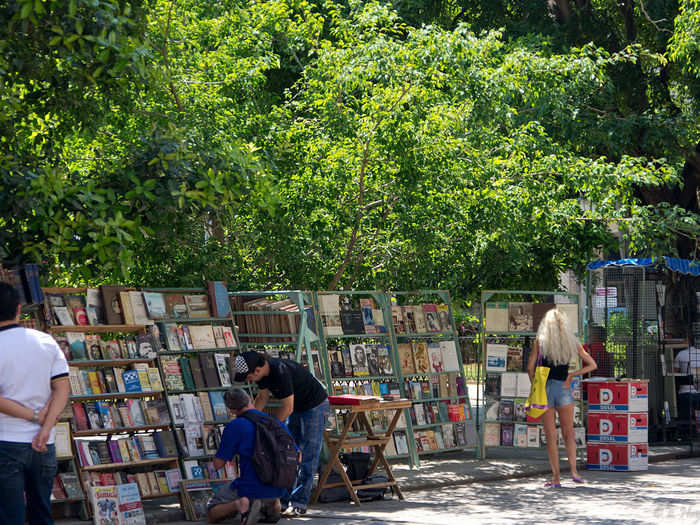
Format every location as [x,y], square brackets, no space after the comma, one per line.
[533,436]
[419,318]
[509,384]
[514,361]
[111,305]
[175,306]
[197,374]
[420,357]
[506,409]
[93,306]
[205,403]
[496,356]
[329,306]
[76,345]
[520,317]
[496,317]
[351,322]
[154,379]
[336,363]
[397,320]
[218,298]
[126,308]
[367,307]
[409,319]
[492,434]
[105,505]
[63,315]
[379,323]
[76,305]
[507,434]
[197,305]
[155,305]
[209,369]
[386,368]
[218,332]
[136,412]
[435,355]
[229,339]
[372,356]
[131,381]
[450,359]
[358,356]
[172,373]
[145,347]
[405,351]
[443,312]
[431,318]
[222,368]
[519,413]
[130,506]
[218,406]
[202,337]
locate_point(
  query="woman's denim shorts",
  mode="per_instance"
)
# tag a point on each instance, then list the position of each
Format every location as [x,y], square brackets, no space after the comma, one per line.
[557,395]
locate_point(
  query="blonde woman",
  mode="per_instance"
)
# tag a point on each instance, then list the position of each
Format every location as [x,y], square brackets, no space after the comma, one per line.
[557,345]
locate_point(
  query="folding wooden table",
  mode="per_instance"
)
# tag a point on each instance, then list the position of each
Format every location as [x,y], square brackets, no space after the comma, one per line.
[378,441]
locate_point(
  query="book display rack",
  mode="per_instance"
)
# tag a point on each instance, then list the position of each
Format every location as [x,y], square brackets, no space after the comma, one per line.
[381,344]
[120,420]
[431,372]
[509,326]
[198,341]
[279,323]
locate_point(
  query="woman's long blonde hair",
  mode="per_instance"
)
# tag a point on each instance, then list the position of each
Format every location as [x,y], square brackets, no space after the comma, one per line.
[555,339]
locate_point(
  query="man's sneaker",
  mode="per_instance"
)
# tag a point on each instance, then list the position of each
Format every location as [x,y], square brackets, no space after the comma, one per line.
[253,515]
[293,512]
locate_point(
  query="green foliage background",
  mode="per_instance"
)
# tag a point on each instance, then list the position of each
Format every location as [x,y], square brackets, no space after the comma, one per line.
[328,144]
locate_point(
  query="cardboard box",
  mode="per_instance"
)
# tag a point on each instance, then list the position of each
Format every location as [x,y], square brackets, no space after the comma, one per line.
[618,427]
[617,456]
[619,396]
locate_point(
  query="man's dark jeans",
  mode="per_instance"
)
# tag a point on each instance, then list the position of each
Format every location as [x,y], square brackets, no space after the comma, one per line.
[24,471]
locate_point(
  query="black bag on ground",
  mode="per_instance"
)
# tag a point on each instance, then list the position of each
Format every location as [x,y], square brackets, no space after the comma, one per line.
[357,463]
[334,494]
[376,493]
[275,458]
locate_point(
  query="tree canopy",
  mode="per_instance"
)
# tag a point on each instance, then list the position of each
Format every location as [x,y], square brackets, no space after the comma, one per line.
[324,144]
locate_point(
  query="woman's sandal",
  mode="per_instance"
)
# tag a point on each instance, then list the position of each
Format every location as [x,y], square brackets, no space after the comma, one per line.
[551,485]
[577,479]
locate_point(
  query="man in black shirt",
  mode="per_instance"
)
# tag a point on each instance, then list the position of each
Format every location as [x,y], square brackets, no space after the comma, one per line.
[303,401]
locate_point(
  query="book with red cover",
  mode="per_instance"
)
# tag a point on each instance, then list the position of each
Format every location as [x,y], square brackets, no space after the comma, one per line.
[352,399]
[80,417]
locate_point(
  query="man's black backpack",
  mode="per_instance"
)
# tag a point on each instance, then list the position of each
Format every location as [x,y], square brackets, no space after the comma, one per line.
[275,458]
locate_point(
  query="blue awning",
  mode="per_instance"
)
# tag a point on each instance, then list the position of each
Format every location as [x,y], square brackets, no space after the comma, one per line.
[686,266]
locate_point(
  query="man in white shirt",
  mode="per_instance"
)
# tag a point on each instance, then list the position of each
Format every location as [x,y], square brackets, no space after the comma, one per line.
[688,362]
[34,389]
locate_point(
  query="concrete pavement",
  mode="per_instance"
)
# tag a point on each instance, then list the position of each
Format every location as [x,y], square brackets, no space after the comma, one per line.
[458,482]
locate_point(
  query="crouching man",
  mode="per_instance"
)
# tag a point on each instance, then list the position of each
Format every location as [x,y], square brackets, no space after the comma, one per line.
[246,499]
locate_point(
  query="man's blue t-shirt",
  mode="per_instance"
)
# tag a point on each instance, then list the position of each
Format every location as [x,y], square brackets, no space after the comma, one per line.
[239,438]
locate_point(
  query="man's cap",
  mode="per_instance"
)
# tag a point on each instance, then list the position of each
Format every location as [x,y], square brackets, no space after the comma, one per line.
[236,399]
[245,364]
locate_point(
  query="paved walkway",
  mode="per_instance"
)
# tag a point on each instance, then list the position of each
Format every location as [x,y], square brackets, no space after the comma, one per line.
[440,471]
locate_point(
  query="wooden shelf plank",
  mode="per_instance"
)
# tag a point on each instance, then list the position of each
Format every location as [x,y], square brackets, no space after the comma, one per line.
[129,464]
[120,430]
[107,362]
[115,395]
[98,328]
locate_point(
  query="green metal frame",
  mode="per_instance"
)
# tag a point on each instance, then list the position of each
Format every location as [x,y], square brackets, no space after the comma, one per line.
[486,295]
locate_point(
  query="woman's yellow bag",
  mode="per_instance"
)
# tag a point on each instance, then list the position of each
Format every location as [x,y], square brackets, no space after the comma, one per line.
[536,403]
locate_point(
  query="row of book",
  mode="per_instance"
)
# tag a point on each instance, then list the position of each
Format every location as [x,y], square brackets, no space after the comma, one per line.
[24,279]
[204,469]
[507,384]
[129,413]
[340,316]
[112,380]
[199,407]
[423,357]
[66,486]
[200,439]
[366,388]
[524,316]
[442,437]
[438,412]
[78,346]
[282,317]
[507,410]
[117,305]
[150,483]
[523,436]
[183,337]
[359,360]
[205,370]
[436,386]
[155,445]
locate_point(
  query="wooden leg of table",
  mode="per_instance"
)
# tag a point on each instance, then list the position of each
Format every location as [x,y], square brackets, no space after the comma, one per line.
[334,458]
[389,472]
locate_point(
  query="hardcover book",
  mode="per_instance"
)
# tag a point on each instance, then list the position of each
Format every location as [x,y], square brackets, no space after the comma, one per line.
[175,306]
[197,305]
[431,318]
[155,305]
[443,312]
[222,368]
[202,337]
[351,322]
[405,351]
[435,355]
[110,303]
[330,314]
[359,360]
[515,359]
[218,298]
[384,360]
[367,307]
[421,358]
[496,356]
[520,317]
[209,368]
[76,343]
[507,434]
[496,317]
